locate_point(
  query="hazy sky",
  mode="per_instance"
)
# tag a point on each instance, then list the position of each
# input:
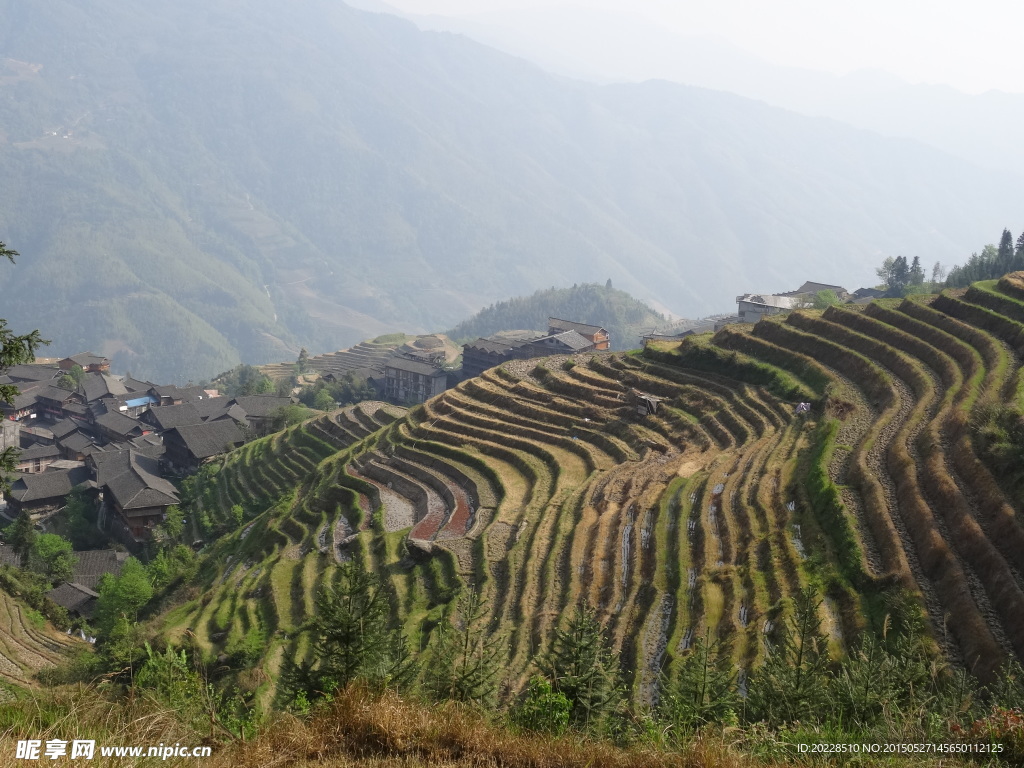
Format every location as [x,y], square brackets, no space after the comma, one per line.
[973,46]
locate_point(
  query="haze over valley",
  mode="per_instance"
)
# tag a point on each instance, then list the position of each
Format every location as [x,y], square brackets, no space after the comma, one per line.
[194,188]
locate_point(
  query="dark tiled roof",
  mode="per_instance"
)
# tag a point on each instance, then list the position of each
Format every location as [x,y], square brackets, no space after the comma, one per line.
[570,325]
[495,345]
[93,564]
[87,358]
[568,339]
[76,441]
[26,397]
[812,287]
[97,385]
[75,598]
[168,416]
[119,424]
[192,394]
[48,485]
[77,408]
[209,406]
[413,366]
[32,372]
[56,394]
[261,405]
[149,445]
[38,451]
[207,439]
[133,479]
[134,385]
[63,428]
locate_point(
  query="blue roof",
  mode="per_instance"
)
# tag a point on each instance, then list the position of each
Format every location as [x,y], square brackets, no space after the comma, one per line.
[148,399]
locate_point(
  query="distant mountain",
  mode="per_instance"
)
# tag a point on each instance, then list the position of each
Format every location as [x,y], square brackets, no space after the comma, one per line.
[625,318]
[192,184]
[607,46]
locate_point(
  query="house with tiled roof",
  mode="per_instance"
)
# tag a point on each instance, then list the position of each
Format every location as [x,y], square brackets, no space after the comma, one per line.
[134,493]
[76,445]
[24,406]
[565,342]
[76,599]
[37,457]
[595,334]
[116,427]
[487,352]
[53,401]
[169,416]
[188,446]
[87,361]
[91,565]
[407,380]
[96,386]
[27,372]
[258,410]
[42,493]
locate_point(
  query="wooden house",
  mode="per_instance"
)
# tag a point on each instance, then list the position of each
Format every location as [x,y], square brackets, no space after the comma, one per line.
[595,334]
[87,361]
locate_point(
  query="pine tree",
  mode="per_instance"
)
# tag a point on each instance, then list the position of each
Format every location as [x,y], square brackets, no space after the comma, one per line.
[1004,262]
[581,666]
[702,691]
[352,639]
[1018,254]
[793,682]
[916,275]
[464,663]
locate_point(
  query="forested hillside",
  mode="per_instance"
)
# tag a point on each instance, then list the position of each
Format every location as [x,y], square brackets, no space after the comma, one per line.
[624,317]
[194,186]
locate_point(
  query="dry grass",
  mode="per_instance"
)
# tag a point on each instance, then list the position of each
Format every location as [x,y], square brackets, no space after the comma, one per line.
[357,729]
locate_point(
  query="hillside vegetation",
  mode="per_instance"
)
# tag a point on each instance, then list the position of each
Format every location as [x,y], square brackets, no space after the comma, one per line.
[541,486]
[199,184]
[623,316]
[28,644]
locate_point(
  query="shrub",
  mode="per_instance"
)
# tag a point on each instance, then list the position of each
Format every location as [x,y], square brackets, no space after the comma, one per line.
[541,709]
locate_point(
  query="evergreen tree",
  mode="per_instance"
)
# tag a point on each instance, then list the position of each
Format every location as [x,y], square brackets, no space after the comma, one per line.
[1018,254]
[1004,262]
[702,691]
[21,535]
[916,276]
[581,666]
[792,683]
[352,639]
[464,662]
[900,277]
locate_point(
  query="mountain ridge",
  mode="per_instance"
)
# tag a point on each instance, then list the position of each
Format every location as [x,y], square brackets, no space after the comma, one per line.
[205,200]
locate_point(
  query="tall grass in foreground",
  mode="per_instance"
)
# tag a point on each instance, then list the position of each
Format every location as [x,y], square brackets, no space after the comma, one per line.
[362,728]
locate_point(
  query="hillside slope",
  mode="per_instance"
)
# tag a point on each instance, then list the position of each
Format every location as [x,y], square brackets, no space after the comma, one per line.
[193,186]
[28,644]
[544,483]
[624,317]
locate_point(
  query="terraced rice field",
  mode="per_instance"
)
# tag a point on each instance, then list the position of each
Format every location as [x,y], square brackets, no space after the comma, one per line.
[365,354]
[27,645]
[546,483]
